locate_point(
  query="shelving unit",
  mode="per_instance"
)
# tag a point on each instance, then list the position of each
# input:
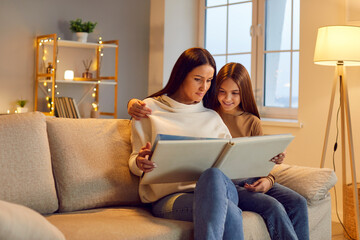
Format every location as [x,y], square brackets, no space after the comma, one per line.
[47,49]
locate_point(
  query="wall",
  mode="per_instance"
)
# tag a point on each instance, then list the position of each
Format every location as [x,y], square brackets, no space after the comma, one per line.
[315,82]
[21,21]
[173,29]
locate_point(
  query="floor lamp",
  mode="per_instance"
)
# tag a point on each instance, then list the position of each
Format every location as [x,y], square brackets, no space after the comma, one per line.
[339,46]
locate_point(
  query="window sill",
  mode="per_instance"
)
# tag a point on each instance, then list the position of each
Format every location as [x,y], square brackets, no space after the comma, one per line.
[273,122]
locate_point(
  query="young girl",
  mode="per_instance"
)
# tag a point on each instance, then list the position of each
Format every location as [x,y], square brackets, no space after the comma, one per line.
[284,211]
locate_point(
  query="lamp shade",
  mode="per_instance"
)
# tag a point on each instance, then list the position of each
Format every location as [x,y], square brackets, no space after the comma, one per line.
[338,43]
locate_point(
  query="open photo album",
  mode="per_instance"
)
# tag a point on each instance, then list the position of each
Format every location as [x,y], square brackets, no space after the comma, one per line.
[182,158]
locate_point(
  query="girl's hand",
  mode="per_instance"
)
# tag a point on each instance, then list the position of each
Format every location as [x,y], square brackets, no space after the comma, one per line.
[279,158]
[262,185]
[142,160]
[137,109]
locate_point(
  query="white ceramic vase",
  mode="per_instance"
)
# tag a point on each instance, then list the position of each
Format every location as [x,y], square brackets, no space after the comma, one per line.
[82,36]
[22,109]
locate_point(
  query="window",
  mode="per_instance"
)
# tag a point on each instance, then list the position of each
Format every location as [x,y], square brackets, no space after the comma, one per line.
[263,35]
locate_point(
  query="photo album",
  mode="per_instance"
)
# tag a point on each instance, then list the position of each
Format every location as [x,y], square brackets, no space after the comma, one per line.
[182,158]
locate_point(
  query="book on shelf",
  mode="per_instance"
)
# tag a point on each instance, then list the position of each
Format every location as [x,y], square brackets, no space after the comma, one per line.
[182,158]
[65,107]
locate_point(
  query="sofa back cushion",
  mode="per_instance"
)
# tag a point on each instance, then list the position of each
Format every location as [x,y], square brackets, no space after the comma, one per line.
[26,176]
[90,162]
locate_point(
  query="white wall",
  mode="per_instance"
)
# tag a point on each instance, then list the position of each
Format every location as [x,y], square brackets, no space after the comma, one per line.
[173,29]
[315,81]
[180,31]
[21,21]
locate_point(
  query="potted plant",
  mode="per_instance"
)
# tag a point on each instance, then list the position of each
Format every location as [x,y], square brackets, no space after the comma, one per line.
[21,106]
[82,29]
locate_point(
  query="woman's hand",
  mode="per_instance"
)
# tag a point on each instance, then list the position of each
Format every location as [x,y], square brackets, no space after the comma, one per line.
[262,185]
[137,109]
[142,160]
[279,158]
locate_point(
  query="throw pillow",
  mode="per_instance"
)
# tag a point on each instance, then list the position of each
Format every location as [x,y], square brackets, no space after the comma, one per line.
[312,183]
[90,162]
[19,222]
[26,175]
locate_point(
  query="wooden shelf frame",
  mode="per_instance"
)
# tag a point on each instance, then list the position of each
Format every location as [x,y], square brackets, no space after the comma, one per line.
[52,39]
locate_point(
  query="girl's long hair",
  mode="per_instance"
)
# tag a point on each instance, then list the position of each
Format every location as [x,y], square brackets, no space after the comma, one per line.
[238,73]
[188,60]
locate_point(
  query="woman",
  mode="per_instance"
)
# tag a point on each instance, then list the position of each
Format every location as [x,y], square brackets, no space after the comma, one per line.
[284,211]
[179,109]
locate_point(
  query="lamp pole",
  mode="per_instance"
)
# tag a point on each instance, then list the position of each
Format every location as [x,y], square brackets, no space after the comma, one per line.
[345,124]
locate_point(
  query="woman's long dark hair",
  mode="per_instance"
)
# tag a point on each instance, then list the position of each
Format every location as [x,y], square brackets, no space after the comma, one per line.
[240,76]
[188,60]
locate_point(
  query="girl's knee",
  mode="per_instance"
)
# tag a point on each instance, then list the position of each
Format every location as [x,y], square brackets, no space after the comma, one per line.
[301,202]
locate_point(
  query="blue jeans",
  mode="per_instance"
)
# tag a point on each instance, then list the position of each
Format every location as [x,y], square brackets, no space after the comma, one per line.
[283,210]
[217,204]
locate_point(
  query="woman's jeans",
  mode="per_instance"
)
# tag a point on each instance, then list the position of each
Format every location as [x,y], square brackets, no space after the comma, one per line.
[216,208]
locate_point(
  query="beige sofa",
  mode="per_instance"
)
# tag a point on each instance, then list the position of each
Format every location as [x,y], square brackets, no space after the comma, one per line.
[69,179]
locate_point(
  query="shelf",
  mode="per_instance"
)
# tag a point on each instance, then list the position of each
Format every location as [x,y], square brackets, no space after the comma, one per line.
[90,84]
[76,44]
[86,82]
[80,82]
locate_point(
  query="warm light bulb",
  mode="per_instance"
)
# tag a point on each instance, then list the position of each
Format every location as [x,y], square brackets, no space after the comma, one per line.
[93,95]
[47,98]
[49,89]
[95,106]
[45,84]
[8,111]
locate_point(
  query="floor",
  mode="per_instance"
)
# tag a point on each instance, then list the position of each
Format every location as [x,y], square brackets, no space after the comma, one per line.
[337,232]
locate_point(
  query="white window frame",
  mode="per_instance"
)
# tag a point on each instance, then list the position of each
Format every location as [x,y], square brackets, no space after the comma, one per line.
[257,31]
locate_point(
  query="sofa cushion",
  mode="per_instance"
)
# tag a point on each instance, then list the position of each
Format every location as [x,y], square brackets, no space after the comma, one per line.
[118,224]
[312,183]
[18,222]
[26,175]
[90,162]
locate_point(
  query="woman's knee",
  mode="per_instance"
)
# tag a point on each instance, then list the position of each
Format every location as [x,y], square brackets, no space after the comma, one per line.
[213,176]
[215,183]
[212,173]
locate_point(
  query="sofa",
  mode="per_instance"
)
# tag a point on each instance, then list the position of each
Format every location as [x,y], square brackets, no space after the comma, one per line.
[69,179]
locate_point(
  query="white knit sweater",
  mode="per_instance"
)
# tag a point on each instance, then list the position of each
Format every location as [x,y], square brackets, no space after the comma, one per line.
[171,117]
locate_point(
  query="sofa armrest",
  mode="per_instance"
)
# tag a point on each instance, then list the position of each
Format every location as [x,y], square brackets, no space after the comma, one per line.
[311,183]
